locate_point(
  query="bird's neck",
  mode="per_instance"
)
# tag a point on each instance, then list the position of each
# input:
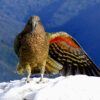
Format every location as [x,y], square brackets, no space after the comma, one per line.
[39,30]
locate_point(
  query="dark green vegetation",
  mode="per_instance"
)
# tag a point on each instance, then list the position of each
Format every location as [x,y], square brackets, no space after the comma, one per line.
[80,18]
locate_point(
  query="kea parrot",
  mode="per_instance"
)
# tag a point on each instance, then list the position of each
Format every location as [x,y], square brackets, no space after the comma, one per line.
[40,52]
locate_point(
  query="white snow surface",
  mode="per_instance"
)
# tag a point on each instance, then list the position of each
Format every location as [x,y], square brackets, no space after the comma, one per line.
[78,87]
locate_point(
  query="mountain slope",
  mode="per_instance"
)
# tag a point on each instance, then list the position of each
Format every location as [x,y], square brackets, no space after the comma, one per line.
[7,63]
[62,88]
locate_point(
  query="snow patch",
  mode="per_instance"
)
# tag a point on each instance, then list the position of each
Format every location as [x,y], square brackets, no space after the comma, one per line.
[79,87]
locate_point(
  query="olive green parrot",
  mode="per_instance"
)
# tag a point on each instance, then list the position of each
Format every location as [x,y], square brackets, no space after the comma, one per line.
[42,53]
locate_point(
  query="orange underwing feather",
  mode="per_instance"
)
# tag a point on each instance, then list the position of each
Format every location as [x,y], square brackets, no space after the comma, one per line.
[67,40]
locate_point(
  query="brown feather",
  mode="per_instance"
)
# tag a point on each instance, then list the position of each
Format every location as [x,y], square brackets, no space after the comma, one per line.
[32,47]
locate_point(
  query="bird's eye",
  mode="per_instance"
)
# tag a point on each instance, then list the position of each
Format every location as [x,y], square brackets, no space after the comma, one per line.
[29,23]
[39,22]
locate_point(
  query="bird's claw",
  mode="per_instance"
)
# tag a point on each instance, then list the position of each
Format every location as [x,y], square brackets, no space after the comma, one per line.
[41,81]
[28,80]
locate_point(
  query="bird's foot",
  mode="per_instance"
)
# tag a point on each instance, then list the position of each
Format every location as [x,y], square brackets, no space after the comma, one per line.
[28,80]
[41,81]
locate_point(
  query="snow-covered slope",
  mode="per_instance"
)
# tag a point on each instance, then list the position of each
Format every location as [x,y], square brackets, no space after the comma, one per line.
[79,87]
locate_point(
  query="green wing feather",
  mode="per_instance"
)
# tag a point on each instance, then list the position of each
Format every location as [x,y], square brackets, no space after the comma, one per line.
[17,44]
[52,66]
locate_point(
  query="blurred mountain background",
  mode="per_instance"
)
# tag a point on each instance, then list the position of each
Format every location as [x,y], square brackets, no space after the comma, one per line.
[80,18]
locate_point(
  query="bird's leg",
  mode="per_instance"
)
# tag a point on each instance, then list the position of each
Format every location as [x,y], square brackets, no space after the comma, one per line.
[42,72]
[41,79]
[28,69]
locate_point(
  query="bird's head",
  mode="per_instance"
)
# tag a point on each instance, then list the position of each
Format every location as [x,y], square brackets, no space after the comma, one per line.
[33,24]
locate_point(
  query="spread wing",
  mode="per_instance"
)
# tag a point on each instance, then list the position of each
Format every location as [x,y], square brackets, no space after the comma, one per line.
[66,51]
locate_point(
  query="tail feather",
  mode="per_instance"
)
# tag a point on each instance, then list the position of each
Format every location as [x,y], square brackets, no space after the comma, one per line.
[52,66]
[20,69]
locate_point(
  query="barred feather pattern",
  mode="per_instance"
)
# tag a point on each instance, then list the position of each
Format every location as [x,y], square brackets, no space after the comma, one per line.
[66,51]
